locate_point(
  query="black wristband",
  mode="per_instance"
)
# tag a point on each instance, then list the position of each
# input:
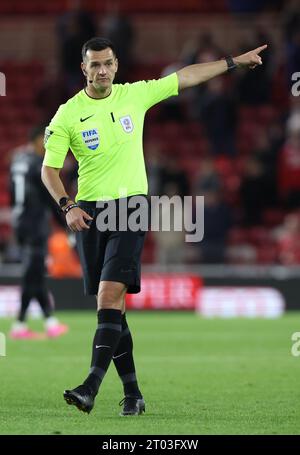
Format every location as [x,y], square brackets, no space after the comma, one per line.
[230,63]
[69,207]
[63,201]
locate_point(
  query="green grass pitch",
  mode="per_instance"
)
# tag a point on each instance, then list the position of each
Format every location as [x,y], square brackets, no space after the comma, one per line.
[198,376]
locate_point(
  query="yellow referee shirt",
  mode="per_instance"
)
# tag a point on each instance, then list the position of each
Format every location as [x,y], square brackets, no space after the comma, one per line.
[106,138]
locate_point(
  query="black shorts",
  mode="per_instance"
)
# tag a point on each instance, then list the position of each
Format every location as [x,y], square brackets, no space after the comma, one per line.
[112,255]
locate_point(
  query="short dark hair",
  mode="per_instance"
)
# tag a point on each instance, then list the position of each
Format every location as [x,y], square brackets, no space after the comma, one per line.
[36,131]
[97,44]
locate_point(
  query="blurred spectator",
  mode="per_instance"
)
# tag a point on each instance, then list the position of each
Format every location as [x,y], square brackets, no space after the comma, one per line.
[205,50]
[289,168]
[207,178]
[276,136]
[291,23]
[288,239]
[163,171]
[291,18]
[118,28]
[252,192]
[173,108]
[217,222]
[242,253]
[293,120]
[154,164]
[293,55]
[169,245]
[74,28]
[173,174]
[219,116]
[52,92]
[213,103]
[266,154]
[254,87]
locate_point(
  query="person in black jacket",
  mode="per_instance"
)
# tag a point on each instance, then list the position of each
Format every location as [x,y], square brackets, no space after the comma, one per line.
[31,213]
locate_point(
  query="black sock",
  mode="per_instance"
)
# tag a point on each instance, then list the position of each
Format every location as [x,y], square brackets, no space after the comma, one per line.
[106,340]
[124,363]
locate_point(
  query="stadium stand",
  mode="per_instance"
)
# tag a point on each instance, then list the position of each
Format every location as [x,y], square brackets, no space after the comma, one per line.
[187,141]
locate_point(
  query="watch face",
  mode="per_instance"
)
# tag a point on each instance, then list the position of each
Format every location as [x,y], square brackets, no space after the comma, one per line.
[63,201]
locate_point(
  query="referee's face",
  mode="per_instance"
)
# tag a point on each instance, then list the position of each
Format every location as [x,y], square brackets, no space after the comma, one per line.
[100,68]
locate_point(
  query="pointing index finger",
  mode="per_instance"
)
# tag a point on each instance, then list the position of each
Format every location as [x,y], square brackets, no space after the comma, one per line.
[261,48]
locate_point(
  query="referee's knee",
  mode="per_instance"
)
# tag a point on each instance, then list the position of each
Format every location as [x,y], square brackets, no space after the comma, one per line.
[110,295]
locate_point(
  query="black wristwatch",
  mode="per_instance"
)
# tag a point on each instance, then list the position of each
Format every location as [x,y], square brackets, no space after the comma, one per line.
[230,63]
[63,201]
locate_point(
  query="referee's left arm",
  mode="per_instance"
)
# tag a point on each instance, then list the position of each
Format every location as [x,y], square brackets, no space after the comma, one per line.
[193,75]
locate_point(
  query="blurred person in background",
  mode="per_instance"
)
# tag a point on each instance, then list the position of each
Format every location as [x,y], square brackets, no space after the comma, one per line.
[169,245]
[73,28]
[118,28]
[52,91]
[217,222]
[291,22]
[252,191]
[204,50]
[214,104]
[103,126]
[174,174]
[288,239]
[175,108]
[154,160]
[293,55]
[31,214]
[219,116]
[207,178]
[265,151]
[288,166]
[255,89]
[258,190]
[291,17]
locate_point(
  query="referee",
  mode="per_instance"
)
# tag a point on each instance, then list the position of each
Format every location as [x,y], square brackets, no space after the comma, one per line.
[103,127]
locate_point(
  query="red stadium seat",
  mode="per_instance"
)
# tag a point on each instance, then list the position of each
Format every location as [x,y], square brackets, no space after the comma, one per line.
[237,236]
[4,200]
[259,236]
[267,254]
[273,217]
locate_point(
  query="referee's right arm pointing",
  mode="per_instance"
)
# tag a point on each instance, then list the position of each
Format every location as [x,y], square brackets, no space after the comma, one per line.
[192,75]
